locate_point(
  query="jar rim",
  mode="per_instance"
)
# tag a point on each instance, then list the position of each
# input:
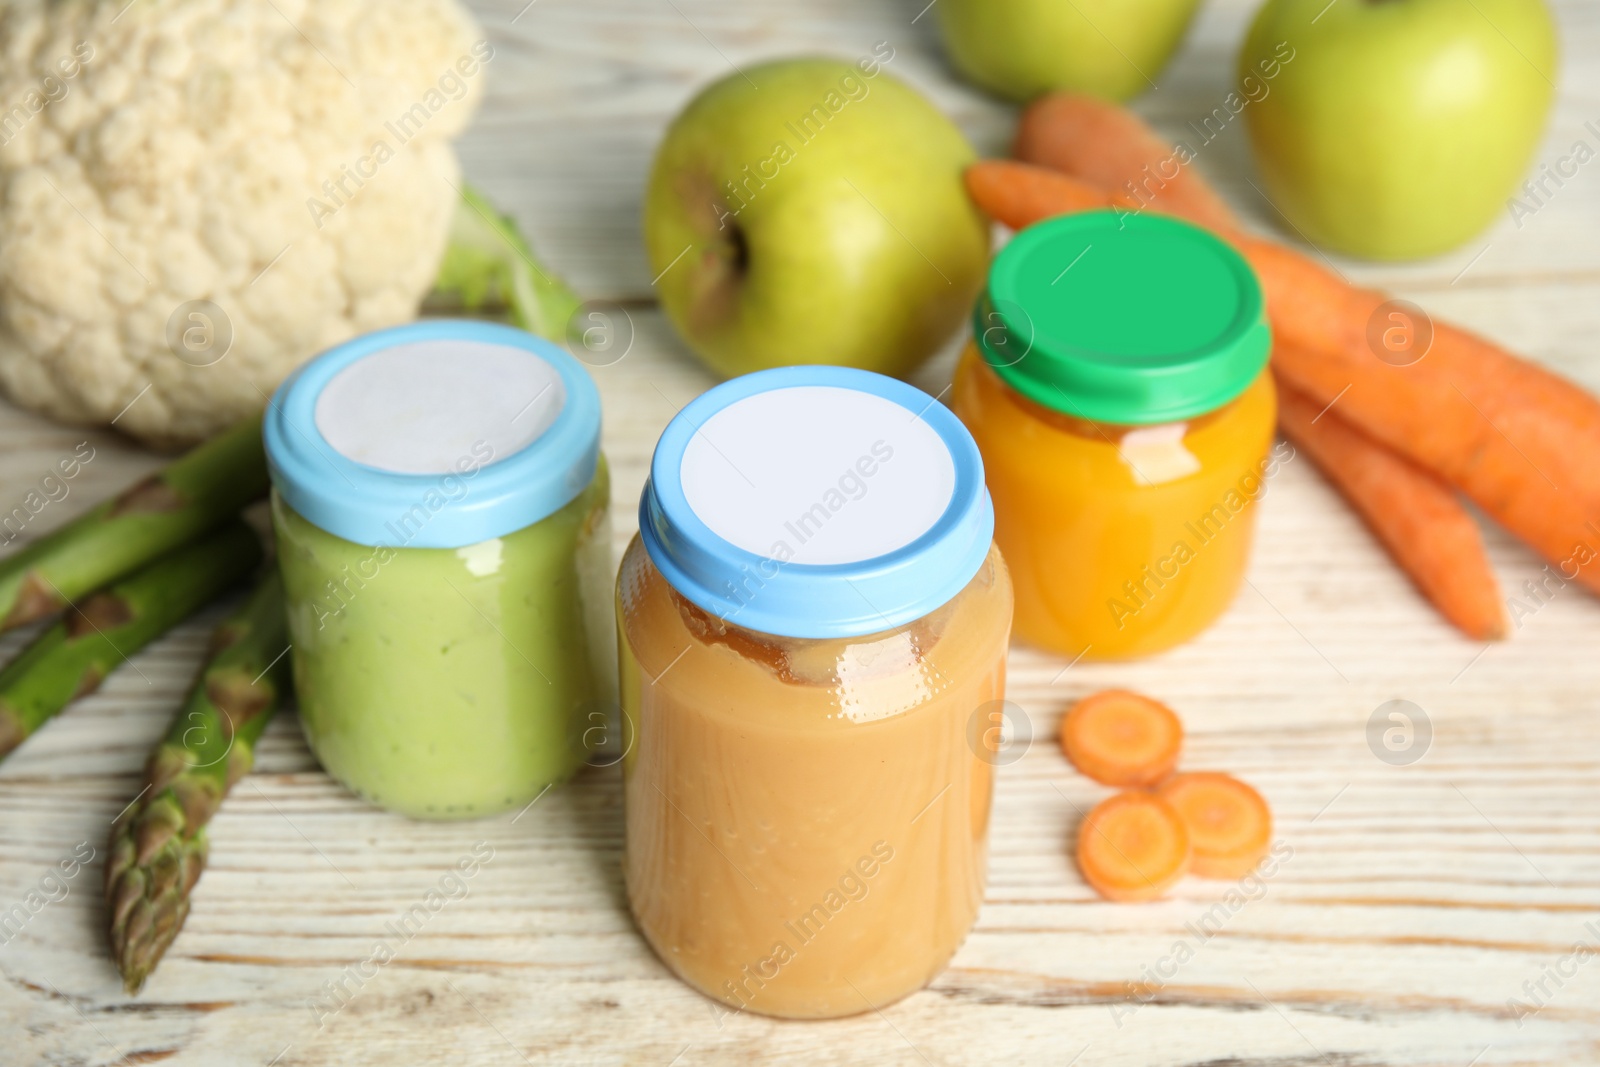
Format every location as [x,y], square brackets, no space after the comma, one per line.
[1114,317]
[478,498]
[776,593]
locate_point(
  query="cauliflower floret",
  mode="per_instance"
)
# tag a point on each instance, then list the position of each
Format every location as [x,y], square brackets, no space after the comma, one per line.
[198,195]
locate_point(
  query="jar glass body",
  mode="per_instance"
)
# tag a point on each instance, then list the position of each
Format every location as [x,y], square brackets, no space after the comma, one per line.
[452,682]
[1122,540]
[807,820]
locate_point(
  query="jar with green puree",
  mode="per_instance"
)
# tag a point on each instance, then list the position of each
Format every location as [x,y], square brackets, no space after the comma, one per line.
[442,514]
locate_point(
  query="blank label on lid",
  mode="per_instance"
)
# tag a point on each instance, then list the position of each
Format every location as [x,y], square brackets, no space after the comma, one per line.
[817,475]
[424,407]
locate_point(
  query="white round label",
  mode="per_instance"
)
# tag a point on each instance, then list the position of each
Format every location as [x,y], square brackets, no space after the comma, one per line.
[818,475]
[424,407]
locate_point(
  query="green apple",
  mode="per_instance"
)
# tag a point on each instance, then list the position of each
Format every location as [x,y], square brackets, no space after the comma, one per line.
[1395,129]
[813,211]
[1021,48]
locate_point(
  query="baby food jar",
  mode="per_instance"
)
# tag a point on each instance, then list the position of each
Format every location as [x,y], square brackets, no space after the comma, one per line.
[441,508]
[813,636]
[1116,386]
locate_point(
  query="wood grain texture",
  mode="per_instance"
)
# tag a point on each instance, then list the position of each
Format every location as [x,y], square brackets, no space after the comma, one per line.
[1414,902]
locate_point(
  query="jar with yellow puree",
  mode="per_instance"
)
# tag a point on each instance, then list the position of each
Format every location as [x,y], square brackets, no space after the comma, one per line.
[813,626]
[1117,387]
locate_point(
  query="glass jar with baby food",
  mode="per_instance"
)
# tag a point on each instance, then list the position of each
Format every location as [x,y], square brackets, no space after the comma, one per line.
[1116,386]
[441,508]
[813,630]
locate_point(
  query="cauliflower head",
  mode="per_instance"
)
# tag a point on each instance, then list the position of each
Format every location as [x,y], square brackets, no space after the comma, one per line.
[197,195]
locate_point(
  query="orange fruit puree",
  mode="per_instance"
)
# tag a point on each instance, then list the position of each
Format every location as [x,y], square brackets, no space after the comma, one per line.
[1122,541]
[807,818]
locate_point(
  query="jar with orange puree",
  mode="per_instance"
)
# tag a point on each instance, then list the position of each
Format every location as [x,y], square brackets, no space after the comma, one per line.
[813,626]
[1116,386]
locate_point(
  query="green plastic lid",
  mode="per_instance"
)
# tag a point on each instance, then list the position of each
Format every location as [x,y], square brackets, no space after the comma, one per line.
[1119,318]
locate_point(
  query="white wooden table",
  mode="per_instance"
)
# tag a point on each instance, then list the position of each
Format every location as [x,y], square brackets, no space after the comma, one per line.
[1417,900]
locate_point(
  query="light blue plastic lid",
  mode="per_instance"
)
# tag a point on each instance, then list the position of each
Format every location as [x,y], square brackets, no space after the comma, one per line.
[816,502]
[437,434]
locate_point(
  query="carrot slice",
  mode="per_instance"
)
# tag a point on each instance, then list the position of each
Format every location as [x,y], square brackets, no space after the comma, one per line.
[1133,846]
[1418,518]
[1121,738]
[1229,824]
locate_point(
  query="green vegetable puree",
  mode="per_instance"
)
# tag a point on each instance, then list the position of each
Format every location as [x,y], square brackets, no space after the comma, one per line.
[450,683]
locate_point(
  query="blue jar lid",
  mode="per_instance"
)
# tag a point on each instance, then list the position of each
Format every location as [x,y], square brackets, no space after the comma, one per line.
[437,434]
[816,502]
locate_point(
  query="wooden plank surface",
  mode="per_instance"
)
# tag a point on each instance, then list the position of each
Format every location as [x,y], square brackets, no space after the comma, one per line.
[1414,901]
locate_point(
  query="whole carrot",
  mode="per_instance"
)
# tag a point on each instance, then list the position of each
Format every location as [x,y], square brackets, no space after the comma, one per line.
[1415,515]
[1521,442]
[1474,413]
[1111,147]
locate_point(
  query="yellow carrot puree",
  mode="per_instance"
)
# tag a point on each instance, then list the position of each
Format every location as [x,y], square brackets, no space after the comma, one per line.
[807,779]
[1116,387]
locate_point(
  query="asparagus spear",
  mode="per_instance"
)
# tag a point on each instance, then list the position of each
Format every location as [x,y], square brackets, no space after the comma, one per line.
[158,846]
[487,262]
[193,494]
[72,658]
